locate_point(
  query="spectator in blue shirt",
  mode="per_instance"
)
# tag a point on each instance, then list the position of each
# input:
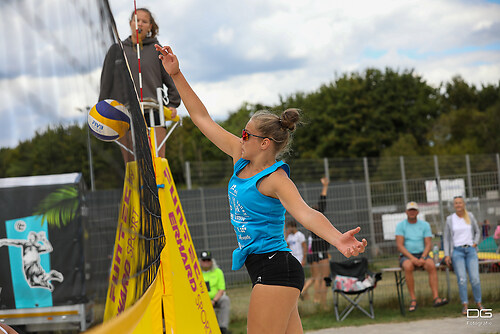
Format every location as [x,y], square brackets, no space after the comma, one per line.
[413,239]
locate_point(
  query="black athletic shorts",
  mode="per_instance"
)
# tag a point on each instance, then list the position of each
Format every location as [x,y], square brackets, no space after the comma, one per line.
[319,249]
[275,268]
[316,257]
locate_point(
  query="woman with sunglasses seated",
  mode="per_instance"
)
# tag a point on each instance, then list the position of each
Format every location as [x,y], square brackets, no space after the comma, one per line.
[260,191]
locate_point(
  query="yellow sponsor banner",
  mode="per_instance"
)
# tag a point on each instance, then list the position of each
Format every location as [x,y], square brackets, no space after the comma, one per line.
[179,286]
[122,280]
[187,306]
[151,320]
[133,319]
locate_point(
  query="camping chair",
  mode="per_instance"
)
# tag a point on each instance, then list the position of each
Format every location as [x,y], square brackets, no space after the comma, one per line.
[349,279]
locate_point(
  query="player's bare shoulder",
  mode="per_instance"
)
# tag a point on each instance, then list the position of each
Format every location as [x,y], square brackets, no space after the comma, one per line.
[274,182]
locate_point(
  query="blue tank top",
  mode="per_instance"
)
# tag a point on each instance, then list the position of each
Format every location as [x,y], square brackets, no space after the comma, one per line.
[258,220]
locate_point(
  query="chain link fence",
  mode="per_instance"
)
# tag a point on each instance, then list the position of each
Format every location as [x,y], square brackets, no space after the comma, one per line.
[366,192]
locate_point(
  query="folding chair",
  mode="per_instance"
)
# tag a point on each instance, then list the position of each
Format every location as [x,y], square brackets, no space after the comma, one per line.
[352,280]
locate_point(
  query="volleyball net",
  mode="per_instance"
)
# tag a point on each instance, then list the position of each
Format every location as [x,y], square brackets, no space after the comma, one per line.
[52,54]
[55,52]
[139,238]
[156,282]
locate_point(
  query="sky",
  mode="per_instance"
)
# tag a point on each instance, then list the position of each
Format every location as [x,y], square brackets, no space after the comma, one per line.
[258,50]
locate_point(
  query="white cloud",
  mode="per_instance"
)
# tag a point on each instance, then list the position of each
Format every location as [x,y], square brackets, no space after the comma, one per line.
[255,51]
[219,97]
[224,35]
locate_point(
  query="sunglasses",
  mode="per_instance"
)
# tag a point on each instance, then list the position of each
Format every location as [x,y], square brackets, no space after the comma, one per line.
[245,135]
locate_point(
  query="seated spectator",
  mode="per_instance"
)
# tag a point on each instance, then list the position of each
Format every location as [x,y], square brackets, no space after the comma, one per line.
[216,286]
[296,241]
[413,239]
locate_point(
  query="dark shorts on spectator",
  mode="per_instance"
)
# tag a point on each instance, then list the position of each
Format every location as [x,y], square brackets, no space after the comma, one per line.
[316,257]
[402,258]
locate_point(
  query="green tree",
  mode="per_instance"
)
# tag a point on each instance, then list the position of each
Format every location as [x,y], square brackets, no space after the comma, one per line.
[467,130]
[374,113]
[469,122]
[363,114]
[63,149]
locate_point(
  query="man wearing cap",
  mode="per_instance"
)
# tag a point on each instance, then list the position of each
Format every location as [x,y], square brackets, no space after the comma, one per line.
[413,239]
[216,286]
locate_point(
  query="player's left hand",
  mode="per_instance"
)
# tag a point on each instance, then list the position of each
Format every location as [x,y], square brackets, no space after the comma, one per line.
[349,246]
[168,59]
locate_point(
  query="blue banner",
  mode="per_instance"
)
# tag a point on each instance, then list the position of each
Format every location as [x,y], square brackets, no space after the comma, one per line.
[29,254]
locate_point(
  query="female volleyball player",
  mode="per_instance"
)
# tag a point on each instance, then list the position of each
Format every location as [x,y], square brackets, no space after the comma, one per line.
[260,191]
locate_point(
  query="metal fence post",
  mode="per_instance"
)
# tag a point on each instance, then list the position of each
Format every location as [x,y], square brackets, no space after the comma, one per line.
[469,177]
[327,168]
[498,171]
[374,247]
[438,186]
[403,178]
[441,212]
[91,164]
[188,175]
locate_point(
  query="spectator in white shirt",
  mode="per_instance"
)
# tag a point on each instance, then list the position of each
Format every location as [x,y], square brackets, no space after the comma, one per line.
[296,241]
[461,236]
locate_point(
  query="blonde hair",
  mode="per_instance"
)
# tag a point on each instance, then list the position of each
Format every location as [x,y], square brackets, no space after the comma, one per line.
[466,213]
[466,216]
[278,128]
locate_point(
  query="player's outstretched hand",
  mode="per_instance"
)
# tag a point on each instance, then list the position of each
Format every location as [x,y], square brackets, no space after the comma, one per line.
[168,59]
[349,246]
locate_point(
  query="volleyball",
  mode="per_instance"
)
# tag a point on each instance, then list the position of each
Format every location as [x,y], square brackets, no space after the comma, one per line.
[109,120]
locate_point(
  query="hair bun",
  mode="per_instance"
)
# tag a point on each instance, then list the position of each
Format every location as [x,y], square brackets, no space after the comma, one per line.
[289,119]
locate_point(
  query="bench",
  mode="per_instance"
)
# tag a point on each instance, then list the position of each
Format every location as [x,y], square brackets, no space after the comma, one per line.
[400,280]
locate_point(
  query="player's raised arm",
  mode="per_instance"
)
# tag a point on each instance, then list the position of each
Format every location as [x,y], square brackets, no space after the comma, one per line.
[227,142]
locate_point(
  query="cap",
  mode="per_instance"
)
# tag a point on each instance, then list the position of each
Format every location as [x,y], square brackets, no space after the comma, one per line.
[206,255]
[412,205]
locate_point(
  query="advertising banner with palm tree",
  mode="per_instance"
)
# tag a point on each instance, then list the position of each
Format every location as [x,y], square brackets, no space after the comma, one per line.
[41,241]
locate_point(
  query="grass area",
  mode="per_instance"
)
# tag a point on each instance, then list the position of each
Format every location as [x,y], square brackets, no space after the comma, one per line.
[326,318]
[385,303]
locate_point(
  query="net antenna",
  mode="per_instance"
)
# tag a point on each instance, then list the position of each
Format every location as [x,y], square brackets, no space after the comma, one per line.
[115,33]
[138,49]
[140,82]
[150,231]
[140,97]
[149,106]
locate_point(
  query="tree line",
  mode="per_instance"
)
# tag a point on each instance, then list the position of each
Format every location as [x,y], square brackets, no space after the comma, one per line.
[373,113]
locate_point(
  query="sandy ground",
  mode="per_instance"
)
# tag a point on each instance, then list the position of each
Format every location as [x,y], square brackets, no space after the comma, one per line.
[440,326]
